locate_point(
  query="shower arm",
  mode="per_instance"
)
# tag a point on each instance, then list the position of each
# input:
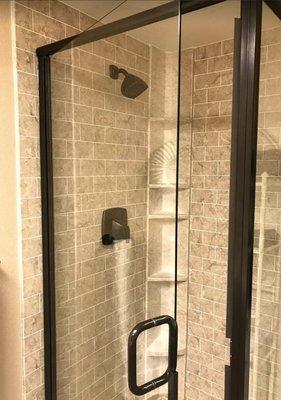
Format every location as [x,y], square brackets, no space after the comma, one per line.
[114,72]
[123,71]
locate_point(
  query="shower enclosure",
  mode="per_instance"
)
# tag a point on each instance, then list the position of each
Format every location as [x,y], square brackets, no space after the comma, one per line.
[148,228]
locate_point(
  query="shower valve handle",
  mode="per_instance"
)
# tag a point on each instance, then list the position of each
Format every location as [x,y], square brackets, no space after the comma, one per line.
[170,376]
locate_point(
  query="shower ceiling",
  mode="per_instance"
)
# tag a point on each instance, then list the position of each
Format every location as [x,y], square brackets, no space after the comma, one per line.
[204,24]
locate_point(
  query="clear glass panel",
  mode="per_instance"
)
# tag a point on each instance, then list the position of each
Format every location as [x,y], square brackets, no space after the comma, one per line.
[110,151]
[265,364]
[113,151]
[206,114]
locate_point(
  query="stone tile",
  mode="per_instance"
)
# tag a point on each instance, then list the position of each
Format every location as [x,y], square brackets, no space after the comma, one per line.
[118,40]
[220,63]
[25,61]
[103,117]
[92,167]
[49,27]
[23,16]
[227,46]
[271,36]
[227,77]
[64,13]
[125,121]
[207,80]
[206,110]
[115,103]
[86,21]
[220,93]
[103,83]
[42,6]
[83,114]
[126,58]
[28,40]
[81,77]
[92,98]
[91,133]
[200,67]
[91,62]
[218,123]
[104,49]
[137,47]
[208,51]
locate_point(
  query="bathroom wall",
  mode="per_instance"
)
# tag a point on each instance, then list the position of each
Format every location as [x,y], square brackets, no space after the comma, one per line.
[207,351]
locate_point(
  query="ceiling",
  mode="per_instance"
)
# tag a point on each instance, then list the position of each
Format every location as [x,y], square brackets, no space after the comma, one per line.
[99,8]
[208,25]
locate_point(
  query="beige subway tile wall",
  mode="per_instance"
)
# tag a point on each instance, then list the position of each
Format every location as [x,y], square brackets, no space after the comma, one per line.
[207,351]
[99,162]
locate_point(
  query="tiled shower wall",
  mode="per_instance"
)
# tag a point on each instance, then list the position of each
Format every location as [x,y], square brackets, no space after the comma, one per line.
[207,348]
[100,162]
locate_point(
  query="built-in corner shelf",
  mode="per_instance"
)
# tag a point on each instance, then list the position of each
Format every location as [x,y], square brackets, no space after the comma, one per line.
[159,347]
[169,186]
[166,276]
[167,216]
[172,121]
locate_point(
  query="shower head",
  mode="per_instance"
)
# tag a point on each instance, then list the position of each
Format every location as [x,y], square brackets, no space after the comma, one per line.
[132,86]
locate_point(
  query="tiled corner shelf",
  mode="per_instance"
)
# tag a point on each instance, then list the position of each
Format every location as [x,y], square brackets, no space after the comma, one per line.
[169,186]
[168,216]
[166,276]
[159,347]
[171,120]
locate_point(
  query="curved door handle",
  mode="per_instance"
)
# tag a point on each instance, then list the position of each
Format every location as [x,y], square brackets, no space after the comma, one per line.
[170,374]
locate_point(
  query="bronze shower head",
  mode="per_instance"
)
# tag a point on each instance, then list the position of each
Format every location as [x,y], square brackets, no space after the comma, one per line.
[132,86]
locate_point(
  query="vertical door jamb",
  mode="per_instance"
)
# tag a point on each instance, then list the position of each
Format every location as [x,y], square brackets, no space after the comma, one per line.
[47,226]
[242,197]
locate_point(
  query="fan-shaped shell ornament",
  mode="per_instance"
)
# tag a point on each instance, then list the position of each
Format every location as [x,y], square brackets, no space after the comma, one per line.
[163,164]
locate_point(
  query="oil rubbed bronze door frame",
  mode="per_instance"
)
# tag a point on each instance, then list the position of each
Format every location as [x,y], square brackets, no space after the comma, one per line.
[242,195]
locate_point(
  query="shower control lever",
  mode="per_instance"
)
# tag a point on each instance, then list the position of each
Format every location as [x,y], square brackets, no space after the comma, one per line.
[115,225]
[170,376]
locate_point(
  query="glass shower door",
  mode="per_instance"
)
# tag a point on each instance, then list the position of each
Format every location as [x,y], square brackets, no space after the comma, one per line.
[114,154]
[140,204]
